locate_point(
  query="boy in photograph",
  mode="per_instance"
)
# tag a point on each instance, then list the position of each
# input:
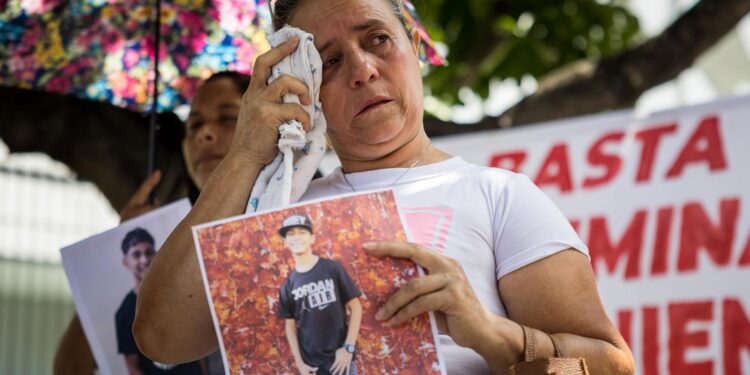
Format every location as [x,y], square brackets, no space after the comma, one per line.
[313,300]
[137,252]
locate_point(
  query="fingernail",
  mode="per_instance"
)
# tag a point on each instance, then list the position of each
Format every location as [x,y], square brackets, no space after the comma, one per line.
[369,245]
[379,314]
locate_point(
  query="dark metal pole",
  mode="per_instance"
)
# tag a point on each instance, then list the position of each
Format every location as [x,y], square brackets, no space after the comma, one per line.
[153,126]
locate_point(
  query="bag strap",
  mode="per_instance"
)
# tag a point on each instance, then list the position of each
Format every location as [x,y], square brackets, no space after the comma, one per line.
[560,351]
[529,344]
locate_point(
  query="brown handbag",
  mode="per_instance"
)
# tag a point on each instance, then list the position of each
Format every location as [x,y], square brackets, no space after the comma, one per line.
[557,365]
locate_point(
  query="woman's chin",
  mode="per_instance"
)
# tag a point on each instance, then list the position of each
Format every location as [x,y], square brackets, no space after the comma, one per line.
[381,137]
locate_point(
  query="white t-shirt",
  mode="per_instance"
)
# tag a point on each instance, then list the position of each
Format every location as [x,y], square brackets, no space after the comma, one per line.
[491,220]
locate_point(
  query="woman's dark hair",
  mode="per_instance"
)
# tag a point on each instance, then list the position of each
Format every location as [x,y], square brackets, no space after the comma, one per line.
[241,82]
[134,237]
[282,11]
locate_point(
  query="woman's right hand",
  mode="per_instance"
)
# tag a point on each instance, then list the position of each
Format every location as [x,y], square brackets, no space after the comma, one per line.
[263,110]
[139,204]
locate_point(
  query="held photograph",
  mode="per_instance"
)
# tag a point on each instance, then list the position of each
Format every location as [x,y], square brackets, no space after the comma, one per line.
[292,292]
[105,272]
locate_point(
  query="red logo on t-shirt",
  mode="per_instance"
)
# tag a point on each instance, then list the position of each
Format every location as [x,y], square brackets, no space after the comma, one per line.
[429,225]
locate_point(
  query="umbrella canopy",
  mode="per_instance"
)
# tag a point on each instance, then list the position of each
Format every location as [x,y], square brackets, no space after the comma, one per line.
[104,49]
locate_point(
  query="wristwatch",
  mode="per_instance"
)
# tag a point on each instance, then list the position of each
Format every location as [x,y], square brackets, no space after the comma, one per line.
[350,348]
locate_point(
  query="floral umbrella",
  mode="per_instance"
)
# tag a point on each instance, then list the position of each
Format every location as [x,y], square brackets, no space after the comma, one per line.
[104,49]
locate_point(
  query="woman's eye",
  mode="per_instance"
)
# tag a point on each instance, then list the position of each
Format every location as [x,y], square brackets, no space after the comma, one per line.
[192,126]
[228,119]
[330,62]
[380,39]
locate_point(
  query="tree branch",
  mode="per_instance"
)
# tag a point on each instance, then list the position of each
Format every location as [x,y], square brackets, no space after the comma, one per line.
[616,82]
[101,143]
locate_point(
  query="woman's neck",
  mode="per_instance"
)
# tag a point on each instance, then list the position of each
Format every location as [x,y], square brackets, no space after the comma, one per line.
[418,151]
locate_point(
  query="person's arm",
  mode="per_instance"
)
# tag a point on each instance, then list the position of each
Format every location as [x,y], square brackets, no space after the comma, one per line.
[291,337]
[173,322]
[343,358]
[556,295]
[74,355]
[355,321]
[131,362]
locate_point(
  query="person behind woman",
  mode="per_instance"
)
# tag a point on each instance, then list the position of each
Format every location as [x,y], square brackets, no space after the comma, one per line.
[209,132]
[508,257]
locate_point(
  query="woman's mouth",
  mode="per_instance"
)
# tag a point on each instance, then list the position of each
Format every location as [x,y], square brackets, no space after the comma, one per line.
[372,104]
[208,158]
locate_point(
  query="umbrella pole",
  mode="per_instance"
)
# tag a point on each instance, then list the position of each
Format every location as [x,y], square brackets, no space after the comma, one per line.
[153,126]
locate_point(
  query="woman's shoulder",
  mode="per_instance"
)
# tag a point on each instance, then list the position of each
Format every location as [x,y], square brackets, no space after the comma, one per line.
[497,177]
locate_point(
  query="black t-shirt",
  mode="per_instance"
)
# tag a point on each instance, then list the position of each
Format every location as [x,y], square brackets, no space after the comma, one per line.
[126,343]
[317,300]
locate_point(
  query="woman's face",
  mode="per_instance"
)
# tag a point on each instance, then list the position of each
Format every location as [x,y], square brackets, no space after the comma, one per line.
[372,87]
[210,128]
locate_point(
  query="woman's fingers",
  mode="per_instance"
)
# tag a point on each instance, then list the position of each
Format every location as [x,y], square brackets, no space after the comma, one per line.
[138,203]
[422,256]
[264,63]
[287,84]
[141,195]
[405,301]
[294,111]
[422,304]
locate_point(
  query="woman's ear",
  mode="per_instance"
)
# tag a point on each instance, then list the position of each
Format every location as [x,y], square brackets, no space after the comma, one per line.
[415,40]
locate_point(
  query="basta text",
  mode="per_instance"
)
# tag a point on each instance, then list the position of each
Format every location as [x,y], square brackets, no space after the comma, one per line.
[703,147]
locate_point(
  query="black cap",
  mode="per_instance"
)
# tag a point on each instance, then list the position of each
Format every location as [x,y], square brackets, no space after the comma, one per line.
[295,221]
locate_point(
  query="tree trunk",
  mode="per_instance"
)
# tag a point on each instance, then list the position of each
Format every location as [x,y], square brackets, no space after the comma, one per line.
[101,143]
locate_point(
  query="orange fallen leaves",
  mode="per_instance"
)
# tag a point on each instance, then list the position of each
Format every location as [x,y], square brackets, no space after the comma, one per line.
[246,262]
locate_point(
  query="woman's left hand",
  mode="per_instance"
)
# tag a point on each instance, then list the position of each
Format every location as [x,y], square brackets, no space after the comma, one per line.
[445,289]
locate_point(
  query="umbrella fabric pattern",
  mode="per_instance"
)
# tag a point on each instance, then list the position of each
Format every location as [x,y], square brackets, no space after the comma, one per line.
[104,49]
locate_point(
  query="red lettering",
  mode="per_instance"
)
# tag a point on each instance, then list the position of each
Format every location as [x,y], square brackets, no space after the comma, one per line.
[555,169]
[661,244]
[611,163]
[650,340]
[650,139]
[699,232]
[745,258]
[736,334]
[511,161]
[629,245]
[576,224]
[625,325]
[703,146]
[680,314]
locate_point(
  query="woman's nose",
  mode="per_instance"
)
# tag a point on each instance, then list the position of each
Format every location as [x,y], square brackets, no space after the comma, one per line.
[362,70]
[207,132]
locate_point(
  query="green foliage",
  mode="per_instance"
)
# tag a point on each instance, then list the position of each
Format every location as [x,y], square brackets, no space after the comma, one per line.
[496,39]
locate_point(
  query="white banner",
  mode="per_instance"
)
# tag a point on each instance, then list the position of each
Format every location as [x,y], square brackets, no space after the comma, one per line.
[664,204]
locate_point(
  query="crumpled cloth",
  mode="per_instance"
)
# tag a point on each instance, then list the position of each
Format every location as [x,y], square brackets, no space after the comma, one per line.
[285,180]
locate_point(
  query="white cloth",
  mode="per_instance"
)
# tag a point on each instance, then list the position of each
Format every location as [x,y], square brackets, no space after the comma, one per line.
[491,220]
[286,178]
